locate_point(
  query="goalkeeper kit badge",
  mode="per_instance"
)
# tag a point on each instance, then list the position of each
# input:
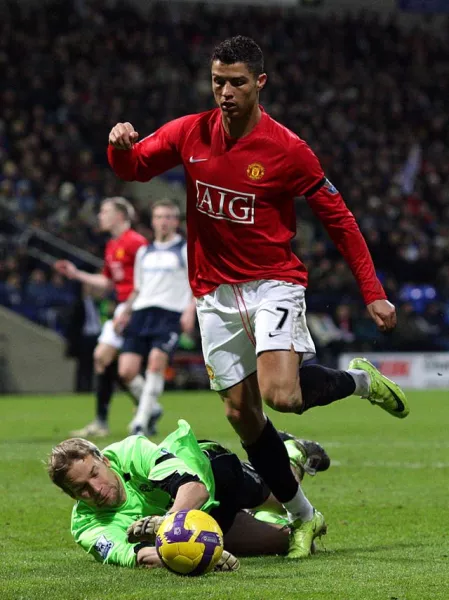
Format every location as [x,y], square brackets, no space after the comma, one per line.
[103,546]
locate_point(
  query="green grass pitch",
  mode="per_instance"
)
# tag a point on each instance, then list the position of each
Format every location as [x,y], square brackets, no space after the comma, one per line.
[385,499]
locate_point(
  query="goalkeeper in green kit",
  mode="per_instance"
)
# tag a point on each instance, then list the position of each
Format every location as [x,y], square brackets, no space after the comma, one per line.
[124,492]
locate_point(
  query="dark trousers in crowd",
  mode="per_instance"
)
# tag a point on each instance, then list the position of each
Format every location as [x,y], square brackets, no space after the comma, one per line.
[84,374]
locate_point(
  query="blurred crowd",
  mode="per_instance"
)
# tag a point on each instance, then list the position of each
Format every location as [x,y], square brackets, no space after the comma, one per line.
[367,95]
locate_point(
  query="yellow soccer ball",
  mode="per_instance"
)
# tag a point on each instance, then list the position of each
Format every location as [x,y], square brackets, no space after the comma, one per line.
[189,542]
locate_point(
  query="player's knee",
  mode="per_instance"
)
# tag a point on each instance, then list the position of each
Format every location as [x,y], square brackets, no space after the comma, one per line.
[283,399]
[99,364]
[233,414]
[127,372]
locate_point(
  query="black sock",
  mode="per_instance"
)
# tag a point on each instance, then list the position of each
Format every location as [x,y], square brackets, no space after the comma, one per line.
[269,457]
[321,386]
[105,389]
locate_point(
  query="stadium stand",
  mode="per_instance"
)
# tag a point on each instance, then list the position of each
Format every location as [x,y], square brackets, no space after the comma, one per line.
[371,105]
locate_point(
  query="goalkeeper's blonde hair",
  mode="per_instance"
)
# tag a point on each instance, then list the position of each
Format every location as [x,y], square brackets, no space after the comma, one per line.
[64,455]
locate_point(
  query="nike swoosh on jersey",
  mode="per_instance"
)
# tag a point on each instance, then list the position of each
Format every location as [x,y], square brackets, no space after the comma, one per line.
[195,160]
[274,334]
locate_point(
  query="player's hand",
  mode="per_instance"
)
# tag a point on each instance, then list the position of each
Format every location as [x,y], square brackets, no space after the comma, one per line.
[188,321]
[123,136]
[121,321]
[148,557]
[383,313]
[144,530]
[66,268]
[227,562]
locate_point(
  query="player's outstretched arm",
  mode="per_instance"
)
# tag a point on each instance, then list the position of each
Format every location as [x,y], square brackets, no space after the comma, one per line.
[107,543]
[191,495]
[308,179]
[141,161]
[97,280]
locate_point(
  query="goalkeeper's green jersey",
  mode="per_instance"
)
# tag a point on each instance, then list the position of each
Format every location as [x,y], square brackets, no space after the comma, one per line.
[102,531]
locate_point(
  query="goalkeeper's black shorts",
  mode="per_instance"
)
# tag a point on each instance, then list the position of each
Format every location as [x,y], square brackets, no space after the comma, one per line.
[237,485]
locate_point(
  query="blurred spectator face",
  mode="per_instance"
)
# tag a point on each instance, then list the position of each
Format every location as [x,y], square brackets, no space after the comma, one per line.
[109,217]
[165,221]
[37,276]
[13,281]
[343,312]
[11,263]
[235,88]
[57,280]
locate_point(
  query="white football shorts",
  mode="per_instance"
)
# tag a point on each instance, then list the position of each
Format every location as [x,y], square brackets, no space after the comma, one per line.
[240,321]
[108,335]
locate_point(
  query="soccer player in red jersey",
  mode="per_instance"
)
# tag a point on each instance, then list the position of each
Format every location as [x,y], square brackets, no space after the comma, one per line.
[243,171]
[115,217]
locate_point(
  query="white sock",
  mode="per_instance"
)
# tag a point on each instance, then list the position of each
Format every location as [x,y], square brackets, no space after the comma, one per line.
[299,507]
[362,381]
[135,386]
[153,388]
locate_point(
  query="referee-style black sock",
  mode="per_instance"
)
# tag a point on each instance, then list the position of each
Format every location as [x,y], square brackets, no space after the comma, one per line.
[321,386]
[269,457]
[105,389]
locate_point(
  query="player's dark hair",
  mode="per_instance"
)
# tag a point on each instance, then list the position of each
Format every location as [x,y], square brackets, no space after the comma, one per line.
[240,49]
[123,206]
[64,455]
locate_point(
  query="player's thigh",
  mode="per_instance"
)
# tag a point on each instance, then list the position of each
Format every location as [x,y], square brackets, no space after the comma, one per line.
[248,536]
[227,341]
[163,339]
[283,339]
[129,365]
[109,337]
[157,360]
[104,355]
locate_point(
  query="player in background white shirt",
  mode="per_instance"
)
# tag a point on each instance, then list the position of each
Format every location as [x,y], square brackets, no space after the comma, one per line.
[159,308]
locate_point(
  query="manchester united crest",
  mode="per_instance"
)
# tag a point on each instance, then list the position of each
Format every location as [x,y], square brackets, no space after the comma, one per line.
[210,372]
[255,171]
[119,253]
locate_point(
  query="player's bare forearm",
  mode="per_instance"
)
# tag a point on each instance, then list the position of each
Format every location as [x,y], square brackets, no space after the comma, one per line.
[192,495]
[96,280]
[130,301]
[188,317]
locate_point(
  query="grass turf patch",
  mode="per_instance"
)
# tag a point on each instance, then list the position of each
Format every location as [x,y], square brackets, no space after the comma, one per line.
[384,499]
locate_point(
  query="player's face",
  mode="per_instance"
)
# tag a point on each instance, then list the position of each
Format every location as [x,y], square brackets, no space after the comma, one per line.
[92,481]
[165,221]
[236,89]
[109,217]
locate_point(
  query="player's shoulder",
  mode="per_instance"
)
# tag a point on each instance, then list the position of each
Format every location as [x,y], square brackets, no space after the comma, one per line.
[187,123]
[282,135]
[201,122]
[133,239]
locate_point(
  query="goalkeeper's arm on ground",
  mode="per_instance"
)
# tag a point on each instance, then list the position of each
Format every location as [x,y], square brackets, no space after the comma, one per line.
[108,544]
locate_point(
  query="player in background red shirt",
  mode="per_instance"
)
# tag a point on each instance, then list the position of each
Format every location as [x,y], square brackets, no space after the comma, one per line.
[115,217]
[243,171]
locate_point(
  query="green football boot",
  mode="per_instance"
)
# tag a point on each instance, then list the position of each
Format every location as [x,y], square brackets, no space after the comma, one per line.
[307,456]
[382,391]
[303,533]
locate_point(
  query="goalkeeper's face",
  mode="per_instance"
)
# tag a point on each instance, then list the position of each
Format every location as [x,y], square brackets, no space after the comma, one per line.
[95,483]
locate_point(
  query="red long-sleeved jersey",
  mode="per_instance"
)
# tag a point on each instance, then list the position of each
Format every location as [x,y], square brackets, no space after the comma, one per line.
[119,256]
[240,200]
